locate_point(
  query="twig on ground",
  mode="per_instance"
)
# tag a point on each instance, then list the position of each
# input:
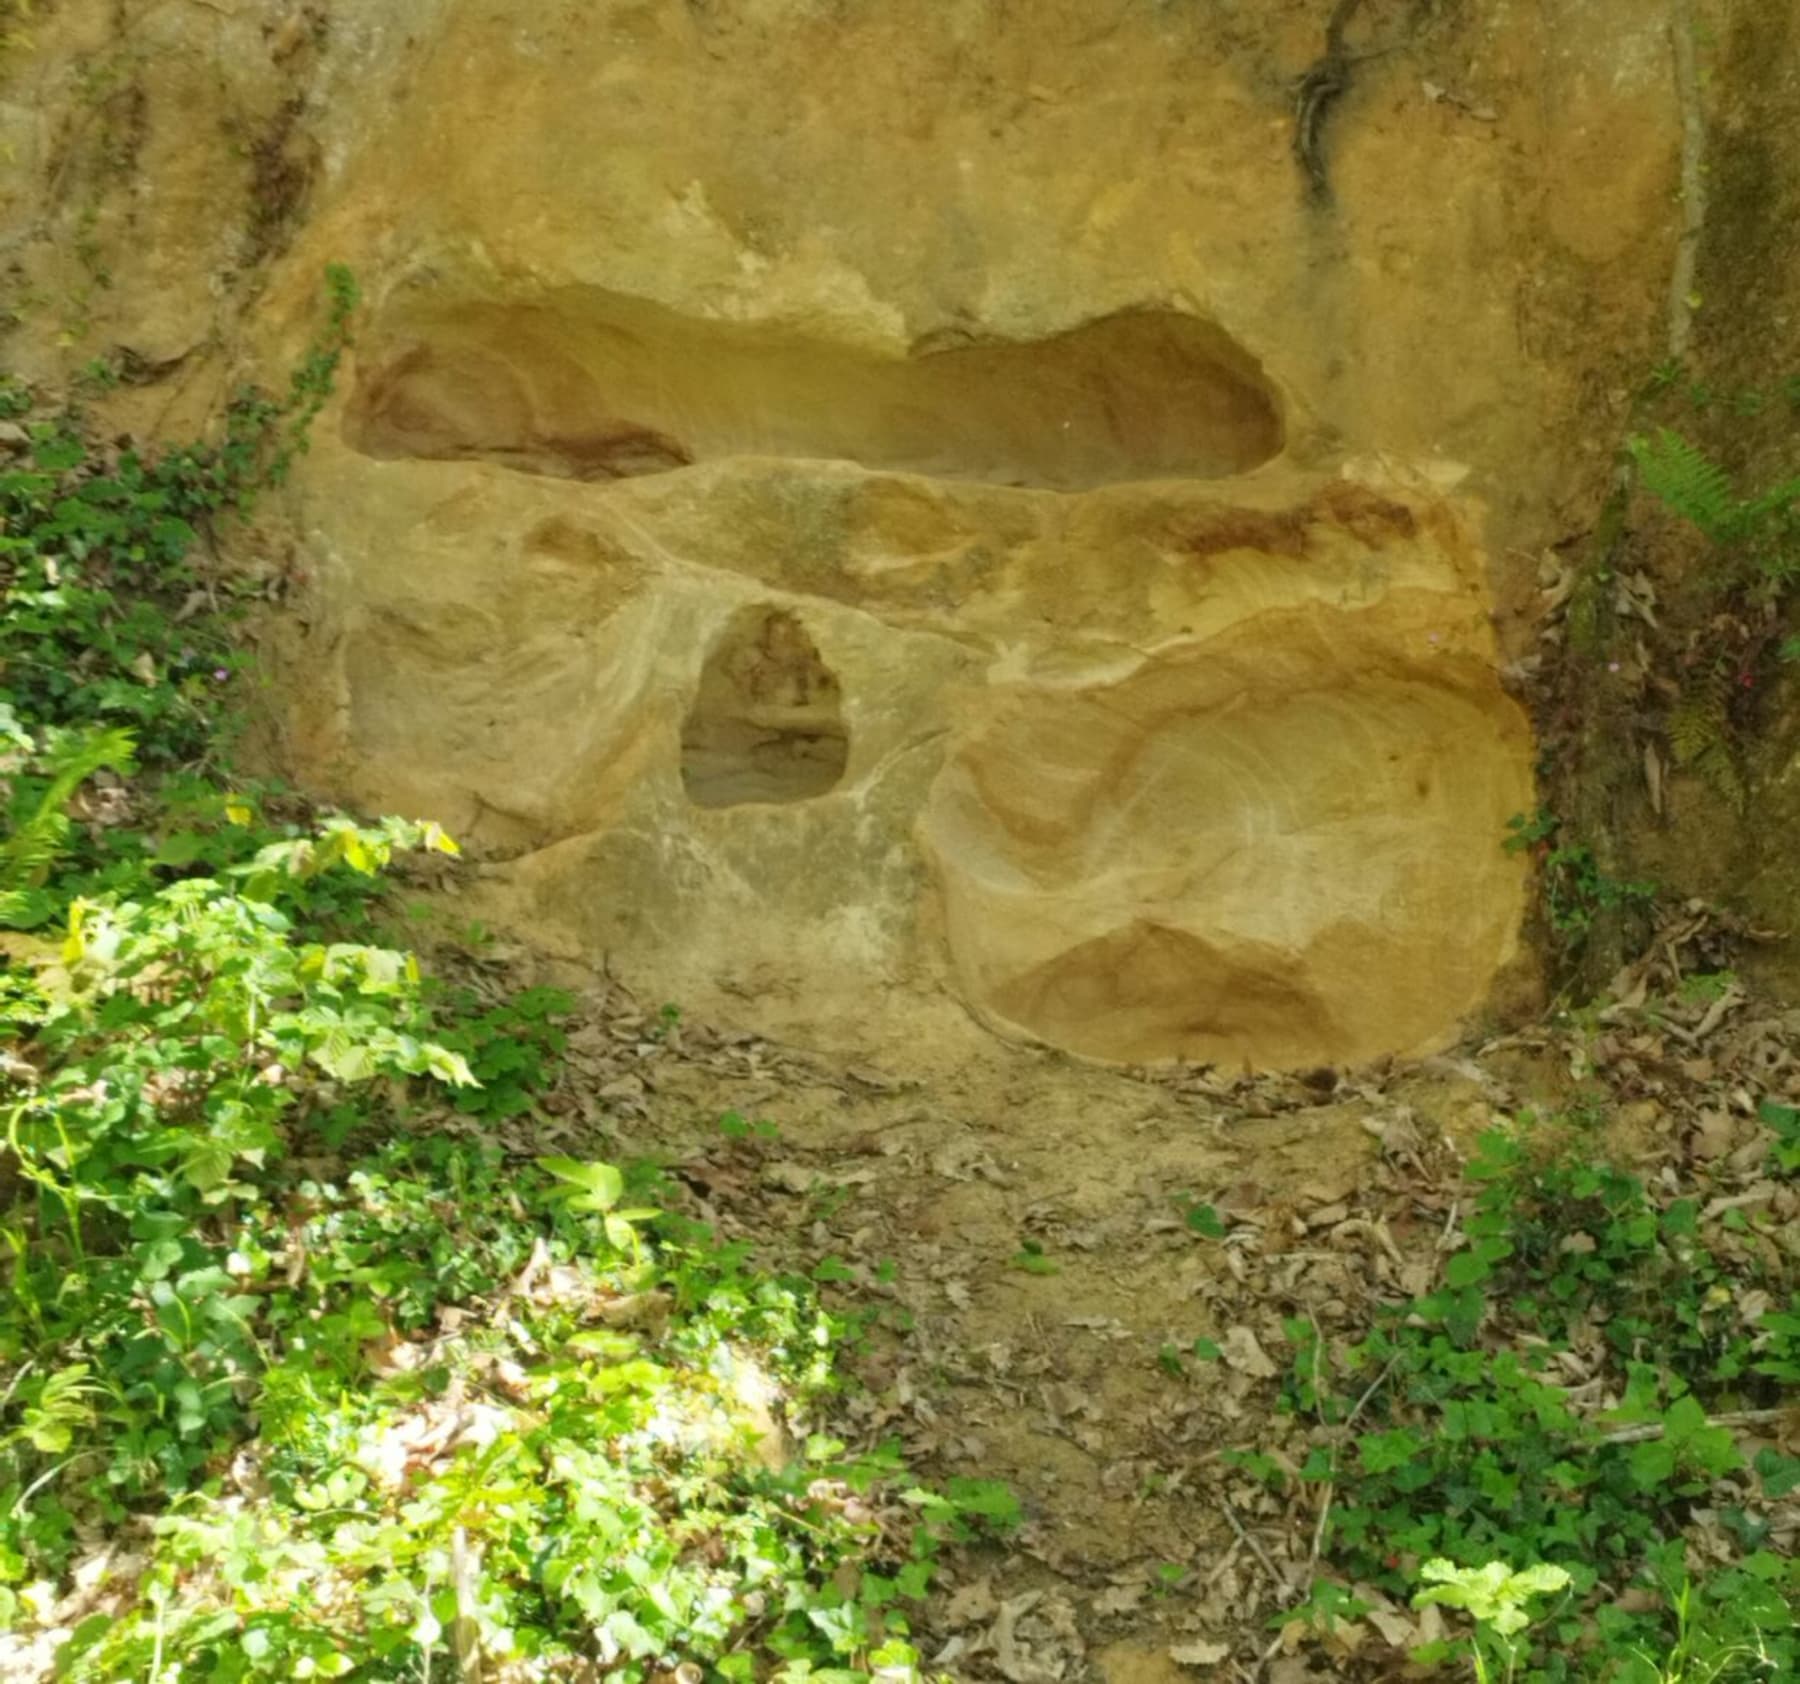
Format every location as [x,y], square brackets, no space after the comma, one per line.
[1250,1543]
[1224,1561]
[1449,1232]
[1648,1430]
[1318,1538]
[1369,1391]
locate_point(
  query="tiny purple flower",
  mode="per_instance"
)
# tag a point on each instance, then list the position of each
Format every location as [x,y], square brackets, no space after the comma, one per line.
[220,674]
[1612,666]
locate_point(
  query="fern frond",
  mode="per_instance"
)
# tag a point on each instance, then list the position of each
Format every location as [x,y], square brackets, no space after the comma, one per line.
[1689,482]
[1720,770]
[1700,735]
[25,909]
[27,855]
[1694,731]
[1776,500]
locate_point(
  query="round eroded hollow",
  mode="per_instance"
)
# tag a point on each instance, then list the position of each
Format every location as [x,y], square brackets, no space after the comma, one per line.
[767,722]
[603,387]
[1212,859]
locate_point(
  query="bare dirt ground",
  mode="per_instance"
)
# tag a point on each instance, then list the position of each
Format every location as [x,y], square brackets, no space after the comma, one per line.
[1022,1221]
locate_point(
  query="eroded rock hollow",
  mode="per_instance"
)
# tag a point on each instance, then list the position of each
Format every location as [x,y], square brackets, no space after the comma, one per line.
[767,723]
[605,388]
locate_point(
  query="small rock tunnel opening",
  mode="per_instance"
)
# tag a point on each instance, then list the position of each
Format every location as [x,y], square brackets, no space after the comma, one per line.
[767,722]
[598,386]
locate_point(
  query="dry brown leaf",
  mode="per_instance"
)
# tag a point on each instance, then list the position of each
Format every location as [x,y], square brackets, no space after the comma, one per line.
[1240,1350]
[972,1604]
[1121,1599]
[1400,1632]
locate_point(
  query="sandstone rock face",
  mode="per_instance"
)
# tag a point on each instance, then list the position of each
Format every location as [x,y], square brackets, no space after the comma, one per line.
[876,519]
[1169,769]
[1255,844]
[879,521]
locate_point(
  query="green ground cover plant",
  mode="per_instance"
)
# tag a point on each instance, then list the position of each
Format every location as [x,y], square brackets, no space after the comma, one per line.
[292,1386]
[1568,1404]
[1573,889]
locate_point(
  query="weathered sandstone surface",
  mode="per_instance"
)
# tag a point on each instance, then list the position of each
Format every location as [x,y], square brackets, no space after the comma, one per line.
[872,516]
[1150,771]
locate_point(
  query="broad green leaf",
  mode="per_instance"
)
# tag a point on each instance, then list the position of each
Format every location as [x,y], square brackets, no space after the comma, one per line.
[602,1183]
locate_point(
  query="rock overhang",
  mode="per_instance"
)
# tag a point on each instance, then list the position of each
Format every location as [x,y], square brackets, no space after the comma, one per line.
[585,384]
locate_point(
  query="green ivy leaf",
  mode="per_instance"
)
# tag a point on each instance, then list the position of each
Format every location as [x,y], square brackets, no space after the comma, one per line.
[1205,1221]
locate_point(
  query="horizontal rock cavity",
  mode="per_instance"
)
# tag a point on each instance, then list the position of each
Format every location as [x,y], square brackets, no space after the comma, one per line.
[610,387]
